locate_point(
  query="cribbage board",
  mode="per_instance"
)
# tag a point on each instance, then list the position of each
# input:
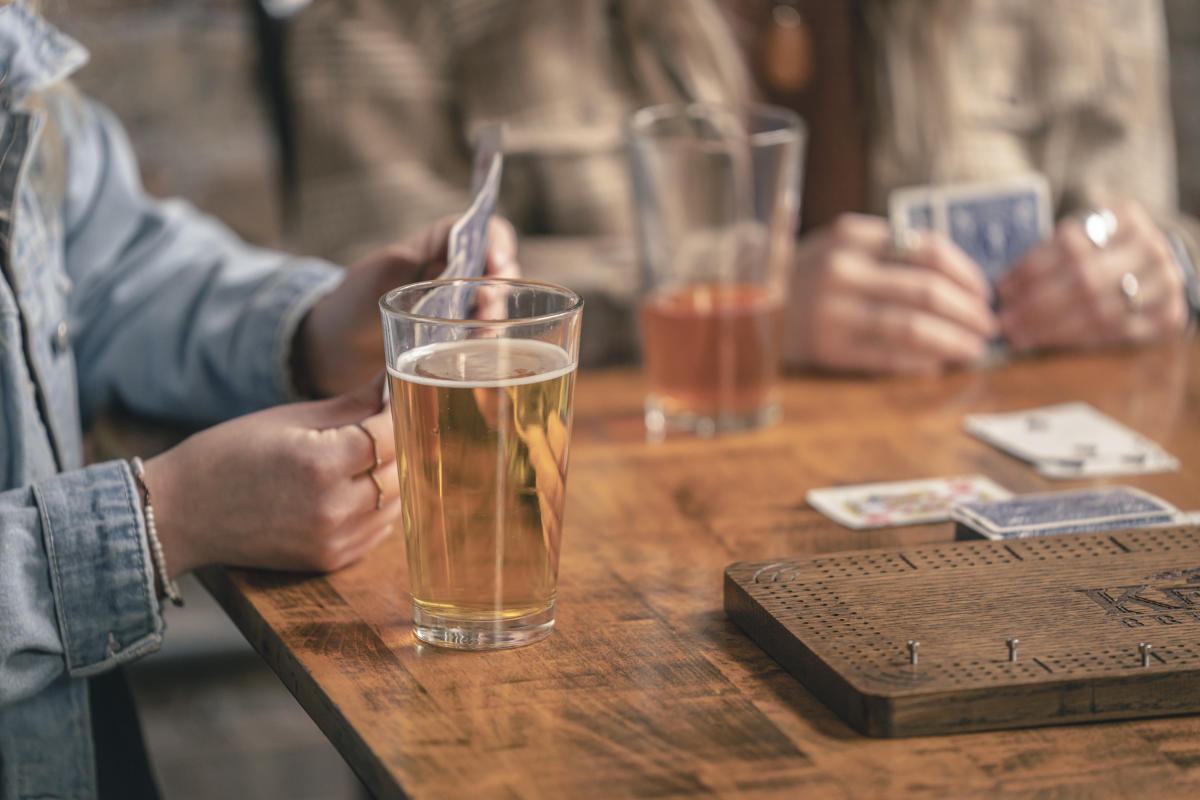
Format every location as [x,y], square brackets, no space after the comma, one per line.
[1081,607]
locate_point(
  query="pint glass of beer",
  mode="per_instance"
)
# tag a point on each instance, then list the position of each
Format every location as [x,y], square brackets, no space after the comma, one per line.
[716,193]
[481,374]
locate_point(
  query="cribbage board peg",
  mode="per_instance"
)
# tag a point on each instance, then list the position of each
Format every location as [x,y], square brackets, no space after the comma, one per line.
[1145,649]
[1012,648]
[913,644]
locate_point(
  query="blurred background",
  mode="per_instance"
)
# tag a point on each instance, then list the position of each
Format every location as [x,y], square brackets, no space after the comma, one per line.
[185,78]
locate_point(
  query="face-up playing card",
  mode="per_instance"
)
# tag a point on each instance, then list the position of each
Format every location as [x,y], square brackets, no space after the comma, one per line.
[880,505]
[1071,440]
[1076,511]
[994,222]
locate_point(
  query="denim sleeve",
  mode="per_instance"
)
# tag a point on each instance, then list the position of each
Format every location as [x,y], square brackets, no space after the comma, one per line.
[76,581]
[174,314]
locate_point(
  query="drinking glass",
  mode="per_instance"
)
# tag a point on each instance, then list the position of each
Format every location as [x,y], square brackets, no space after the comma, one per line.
[716,194]
[481,375]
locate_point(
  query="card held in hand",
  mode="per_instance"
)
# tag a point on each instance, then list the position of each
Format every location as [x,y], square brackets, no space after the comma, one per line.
[993,222]
[466,248]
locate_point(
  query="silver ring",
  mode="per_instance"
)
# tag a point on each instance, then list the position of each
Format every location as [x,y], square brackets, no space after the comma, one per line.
[1099,226]
[1131,291]
[371,469]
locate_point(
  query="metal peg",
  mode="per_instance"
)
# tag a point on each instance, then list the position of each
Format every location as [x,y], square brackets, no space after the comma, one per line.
[1145,649]
[1012,648]
[913,644]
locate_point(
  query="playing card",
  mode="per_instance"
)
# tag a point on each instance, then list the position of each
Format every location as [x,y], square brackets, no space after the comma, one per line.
[466,248]
[879,505]
[910,209]
[466,251]
[1071,440]
[1076,511]
[994,222]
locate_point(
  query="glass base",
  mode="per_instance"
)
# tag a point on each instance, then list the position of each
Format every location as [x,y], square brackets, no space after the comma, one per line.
[660,422]
[482,634]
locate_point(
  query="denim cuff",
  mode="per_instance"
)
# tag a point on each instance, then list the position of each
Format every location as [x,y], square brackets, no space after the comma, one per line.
[100,567]
[276,318]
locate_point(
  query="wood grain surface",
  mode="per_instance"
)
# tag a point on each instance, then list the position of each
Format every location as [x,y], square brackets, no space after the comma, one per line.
[916,640]
[645,688]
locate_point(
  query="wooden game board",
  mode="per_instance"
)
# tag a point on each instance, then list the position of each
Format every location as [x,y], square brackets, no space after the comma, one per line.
[1080,606]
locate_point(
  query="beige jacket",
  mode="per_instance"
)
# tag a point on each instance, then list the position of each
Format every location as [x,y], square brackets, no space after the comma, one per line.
[387,93]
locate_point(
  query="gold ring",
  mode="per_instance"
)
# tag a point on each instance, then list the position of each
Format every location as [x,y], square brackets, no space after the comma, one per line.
[371,469]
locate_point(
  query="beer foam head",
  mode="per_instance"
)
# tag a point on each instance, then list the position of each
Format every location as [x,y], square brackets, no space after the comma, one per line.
[484,362]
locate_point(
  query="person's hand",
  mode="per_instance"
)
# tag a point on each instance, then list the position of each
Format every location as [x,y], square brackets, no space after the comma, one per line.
[1067,292]
[858,305]
[285,488]
[340,342]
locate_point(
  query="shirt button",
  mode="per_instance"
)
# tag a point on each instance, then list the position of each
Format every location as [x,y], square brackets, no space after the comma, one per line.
[62,338]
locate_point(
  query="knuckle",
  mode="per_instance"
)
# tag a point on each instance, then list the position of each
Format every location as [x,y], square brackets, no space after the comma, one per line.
[911,329]
[311,469]
[1075,250]
[928,295]
[1158,252]
[1096,310]
[327,556]
[1174,317]
[1131,215]
[839,269]
[844,228]
[327,515]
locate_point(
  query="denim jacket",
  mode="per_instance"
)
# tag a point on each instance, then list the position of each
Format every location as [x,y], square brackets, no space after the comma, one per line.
[106,295]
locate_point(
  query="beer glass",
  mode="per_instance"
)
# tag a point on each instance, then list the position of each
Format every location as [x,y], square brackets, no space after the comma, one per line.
[716,194]
[481,374]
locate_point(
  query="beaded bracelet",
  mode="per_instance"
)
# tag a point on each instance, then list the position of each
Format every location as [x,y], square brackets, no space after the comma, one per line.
[170,587]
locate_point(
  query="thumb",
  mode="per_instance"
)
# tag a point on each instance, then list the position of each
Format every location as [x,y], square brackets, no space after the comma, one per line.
[502,249]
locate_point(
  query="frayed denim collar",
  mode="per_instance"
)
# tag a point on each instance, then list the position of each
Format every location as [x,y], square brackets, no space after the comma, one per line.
[33,53]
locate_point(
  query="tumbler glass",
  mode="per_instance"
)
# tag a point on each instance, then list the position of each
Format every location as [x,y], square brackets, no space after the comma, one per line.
[481,375]
[716,194]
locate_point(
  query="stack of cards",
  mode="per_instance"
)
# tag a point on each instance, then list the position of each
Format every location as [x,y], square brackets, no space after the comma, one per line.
[880,505]
[1071,440]
[466,249]
[993,222]
[1079,511]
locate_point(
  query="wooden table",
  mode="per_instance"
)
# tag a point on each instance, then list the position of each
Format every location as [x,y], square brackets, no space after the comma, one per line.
[645,689]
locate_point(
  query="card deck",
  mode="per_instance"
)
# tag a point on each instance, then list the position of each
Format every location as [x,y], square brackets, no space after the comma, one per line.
[466,248]
[466,251]
[1076,511]
[994,222]
[880,505]
[1071,440]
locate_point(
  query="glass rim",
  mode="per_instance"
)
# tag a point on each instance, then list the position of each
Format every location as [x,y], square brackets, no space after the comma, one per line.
[790,123]
[574,307]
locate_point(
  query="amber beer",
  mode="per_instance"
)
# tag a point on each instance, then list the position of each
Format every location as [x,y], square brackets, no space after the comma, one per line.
[482,428]
[711,353]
